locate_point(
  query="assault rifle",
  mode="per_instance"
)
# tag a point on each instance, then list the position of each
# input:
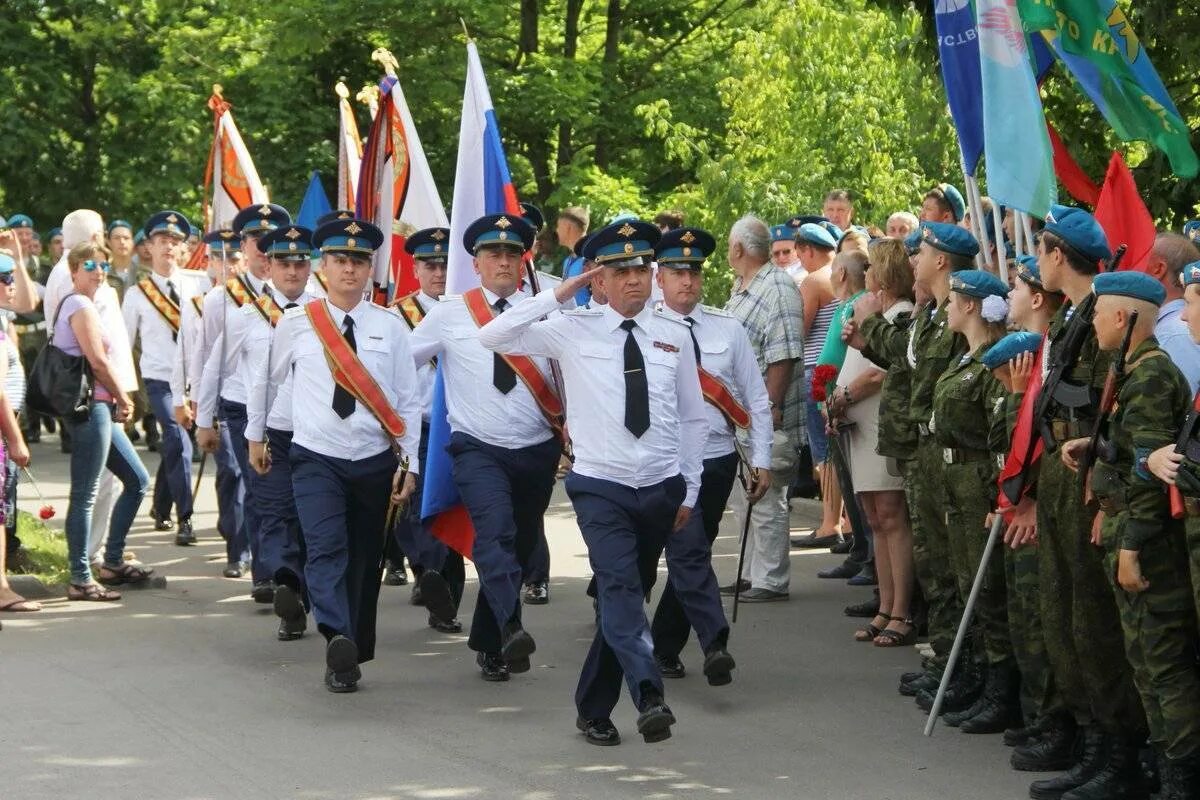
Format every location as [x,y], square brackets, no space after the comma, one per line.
[1108,401]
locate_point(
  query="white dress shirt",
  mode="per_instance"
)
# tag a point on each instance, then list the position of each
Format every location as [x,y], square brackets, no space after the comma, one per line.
[184,376]
[475,406]
[222,316]
[261,409]
[427,372]
[726,354]
[382,341]
[108,307]
[159,348]
[589,345]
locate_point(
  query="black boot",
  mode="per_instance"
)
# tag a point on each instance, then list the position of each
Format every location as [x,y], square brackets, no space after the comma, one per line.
[927,682]
[1092,757]
[963,690]
[1001,703]
[1052,750]
[1180,779]
[955,718]
[1121,777]
[1025,734]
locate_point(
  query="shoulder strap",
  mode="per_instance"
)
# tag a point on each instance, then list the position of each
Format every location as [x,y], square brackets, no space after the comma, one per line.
[162,304]
[269,308]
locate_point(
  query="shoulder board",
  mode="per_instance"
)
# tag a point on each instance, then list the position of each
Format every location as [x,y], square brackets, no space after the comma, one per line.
[450,298]
[669,316]
[717,312]
[583,311]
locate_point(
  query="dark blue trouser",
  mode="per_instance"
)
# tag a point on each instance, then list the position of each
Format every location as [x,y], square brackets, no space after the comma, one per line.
[281,547]
[538,568]
[691,598]
[230,521]
[175,450]
[233,415]
[342,506]
[506,492]
[625,531]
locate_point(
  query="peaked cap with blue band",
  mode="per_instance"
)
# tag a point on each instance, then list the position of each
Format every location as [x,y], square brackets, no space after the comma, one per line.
[354,236]
[949,239]
[1011,346]
[1080,230]
[336,214]
[1134,285]
[499,230]
[260,218]
[429,244]
[684,248]
[626,240]
[225,239]
[977,283]
[288,243]
[169,222]
[816,234]
[533,215]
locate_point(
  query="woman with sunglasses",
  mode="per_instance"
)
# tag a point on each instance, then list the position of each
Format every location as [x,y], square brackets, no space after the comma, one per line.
[97,442]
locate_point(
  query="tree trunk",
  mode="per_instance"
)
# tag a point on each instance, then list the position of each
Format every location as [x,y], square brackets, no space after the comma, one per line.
[612,41]
[570,45]
[529,26]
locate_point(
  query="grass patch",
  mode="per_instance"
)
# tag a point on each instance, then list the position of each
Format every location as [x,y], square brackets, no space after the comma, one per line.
[45,550]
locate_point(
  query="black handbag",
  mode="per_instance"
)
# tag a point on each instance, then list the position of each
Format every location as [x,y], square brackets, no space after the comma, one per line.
[60,384]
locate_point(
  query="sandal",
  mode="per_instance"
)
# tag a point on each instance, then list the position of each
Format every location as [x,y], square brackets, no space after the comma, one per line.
[16,603]
[893,638]
[872,631]
[92,593]
[126,572]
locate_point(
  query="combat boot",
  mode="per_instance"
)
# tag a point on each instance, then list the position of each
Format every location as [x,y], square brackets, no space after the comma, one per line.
[927,682]
[1023,735]
[963,690]
[1001,701]
[1052,750]
[1120,779]
[1180,779]
[1093,752]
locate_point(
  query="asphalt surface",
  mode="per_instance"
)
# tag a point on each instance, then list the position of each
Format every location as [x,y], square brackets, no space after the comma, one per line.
[183,693]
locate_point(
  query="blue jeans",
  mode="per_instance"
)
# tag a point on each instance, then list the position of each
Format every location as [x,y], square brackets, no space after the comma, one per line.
[96,444]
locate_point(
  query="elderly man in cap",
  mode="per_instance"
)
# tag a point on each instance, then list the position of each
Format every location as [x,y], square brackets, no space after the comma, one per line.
[505,420]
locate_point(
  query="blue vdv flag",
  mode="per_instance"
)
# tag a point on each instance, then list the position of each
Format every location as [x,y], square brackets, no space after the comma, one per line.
[958,46]
[315,203]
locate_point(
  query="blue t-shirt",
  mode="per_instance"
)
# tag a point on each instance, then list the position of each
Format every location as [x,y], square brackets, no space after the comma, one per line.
[1176,341]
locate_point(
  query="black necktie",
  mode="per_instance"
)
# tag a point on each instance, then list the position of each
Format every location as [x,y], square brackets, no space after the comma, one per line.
[174,295]
[343,401]
[692,330]
[293,305]
[637,395]
[503,377]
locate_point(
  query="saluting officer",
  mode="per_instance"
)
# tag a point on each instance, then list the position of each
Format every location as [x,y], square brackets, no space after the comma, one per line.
[504,449]
[737,403]
[152,311]
[437,570]
[281,546]
[638,426]
[356,411]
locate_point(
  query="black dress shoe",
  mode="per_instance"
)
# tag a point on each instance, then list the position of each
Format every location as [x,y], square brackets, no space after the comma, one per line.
[517,643]
[416,598]
[290,610]
[600,732]
[718,667]
[518,665]
[435,595]
[728,590]
[453,626]
[394,576]
[164,525]
[342,673]
[235,569]
[847,569]
[670,666]
[290,630]
[537,593]
[814,542]
[263,591]
[842,546]
[184,536]
[863,610]
[492,667]
[655,721]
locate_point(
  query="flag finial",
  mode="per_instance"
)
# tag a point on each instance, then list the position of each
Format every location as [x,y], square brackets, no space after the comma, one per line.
[386,59]
[466,32]
[368,95]
[341,90]
[219,90]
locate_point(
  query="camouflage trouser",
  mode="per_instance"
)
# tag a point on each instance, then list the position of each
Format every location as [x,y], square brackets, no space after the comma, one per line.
[1039,700]
[970,495]
[1079,615]
[1161,638]
[925,492]
[1193,548]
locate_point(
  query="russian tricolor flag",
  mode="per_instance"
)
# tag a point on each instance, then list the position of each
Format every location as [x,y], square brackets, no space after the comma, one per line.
[482,185]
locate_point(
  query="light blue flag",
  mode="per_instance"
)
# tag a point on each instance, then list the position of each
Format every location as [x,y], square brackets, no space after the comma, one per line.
[1020,161]
[315,203]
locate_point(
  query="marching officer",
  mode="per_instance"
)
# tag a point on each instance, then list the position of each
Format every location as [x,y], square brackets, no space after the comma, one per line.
[152,311]
[737,403]
[503,442]
[638,426]
[438,571]
[355,410]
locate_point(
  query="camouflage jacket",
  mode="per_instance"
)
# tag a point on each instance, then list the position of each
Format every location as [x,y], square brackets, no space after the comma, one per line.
[897,433]
[1151,400]
[1090,368]
[968,402]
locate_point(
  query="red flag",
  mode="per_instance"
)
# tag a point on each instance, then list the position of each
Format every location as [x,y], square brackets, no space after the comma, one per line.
[1123,215]
[1069,173]
[1025,445]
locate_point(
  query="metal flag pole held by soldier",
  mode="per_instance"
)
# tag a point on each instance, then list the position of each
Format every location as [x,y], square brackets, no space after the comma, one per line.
[744,473]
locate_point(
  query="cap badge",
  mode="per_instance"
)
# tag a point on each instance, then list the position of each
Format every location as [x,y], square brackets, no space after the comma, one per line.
[345,215]
[687,251]
[353,228]
[291,245]
[293,234]
[437,235]
[629,247]
[171,218]
[503,234]
[350,242]
[264,210]
[226,235]
[626,230]
[687,238]
[503,223]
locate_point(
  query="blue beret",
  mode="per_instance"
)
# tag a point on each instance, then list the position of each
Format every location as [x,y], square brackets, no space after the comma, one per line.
[499,230]
[1191,229]
[833,230]
[50,234]
[1080,230]
[912,242]
[6,263]
[949,239]
[1011,346]
[431,243]
[170,222]
[684,248]
[3,224]
[977,283]
[622,241]
[355,236]
[782,233]
[1028,271]
[287,242]
[224,239]
[815,234]
[139,237]
[336,214]
[1190,274]
[118,223]
[260,218]
[1135,285]
[20,221]
[624,216]
[952,196]
[533,215]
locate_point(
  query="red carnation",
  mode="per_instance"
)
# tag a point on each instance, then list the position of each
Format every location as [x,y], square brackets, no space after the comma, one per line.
[823,375]
[46,512]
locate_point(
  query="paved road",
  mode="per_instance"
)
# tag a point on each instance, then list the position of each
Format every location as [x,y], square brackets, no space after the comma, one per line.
[183,693]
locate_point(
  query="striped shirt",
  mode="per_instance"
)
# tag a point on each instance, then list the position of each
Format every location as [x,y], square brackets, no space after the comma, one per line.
[815,341]
[14,379]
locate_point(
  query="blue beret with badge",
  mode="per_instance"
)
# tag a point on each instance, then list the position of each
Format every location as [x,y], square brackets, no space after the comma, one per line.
[954,199]
[623,243]
[912,242]
[429,244]
[1011,346]
[287,243]
[117,223]
[684,248]
[499,230]
[223,240]
[354,236]
[782,233]
[1131,284]
[172,223]
[50,234]
[949,239]
[1028,271]
[977,283]
[817,235]
[1080,231]
[260,218]
[833,230]
[20,221]
[533,215]
[1191,229]
[1190,274]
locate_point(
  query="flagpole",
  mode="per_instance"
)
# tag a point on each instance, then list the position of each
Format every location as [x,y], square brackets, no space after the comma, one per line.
[1027,225]
[998,221]
[978,224]
[1018,233]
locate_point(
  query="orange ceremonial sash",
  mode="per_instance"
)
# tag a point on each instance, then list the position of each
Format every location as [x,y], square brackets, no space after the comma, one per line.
[349,372]
[269,308]
[198,304]
[410,310]
[719,395]
[239,292]
[162,304]
[547,399]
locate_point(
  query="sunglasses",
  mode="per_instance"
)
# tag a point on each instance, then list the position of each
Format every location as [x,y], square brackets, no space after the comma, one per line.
[7,278]
[92,266]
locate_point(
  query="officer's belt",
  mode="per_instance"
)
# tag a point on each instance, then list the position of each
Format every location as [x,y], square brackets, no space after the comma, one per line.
[1065,429]
[35,326]
[961,455]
